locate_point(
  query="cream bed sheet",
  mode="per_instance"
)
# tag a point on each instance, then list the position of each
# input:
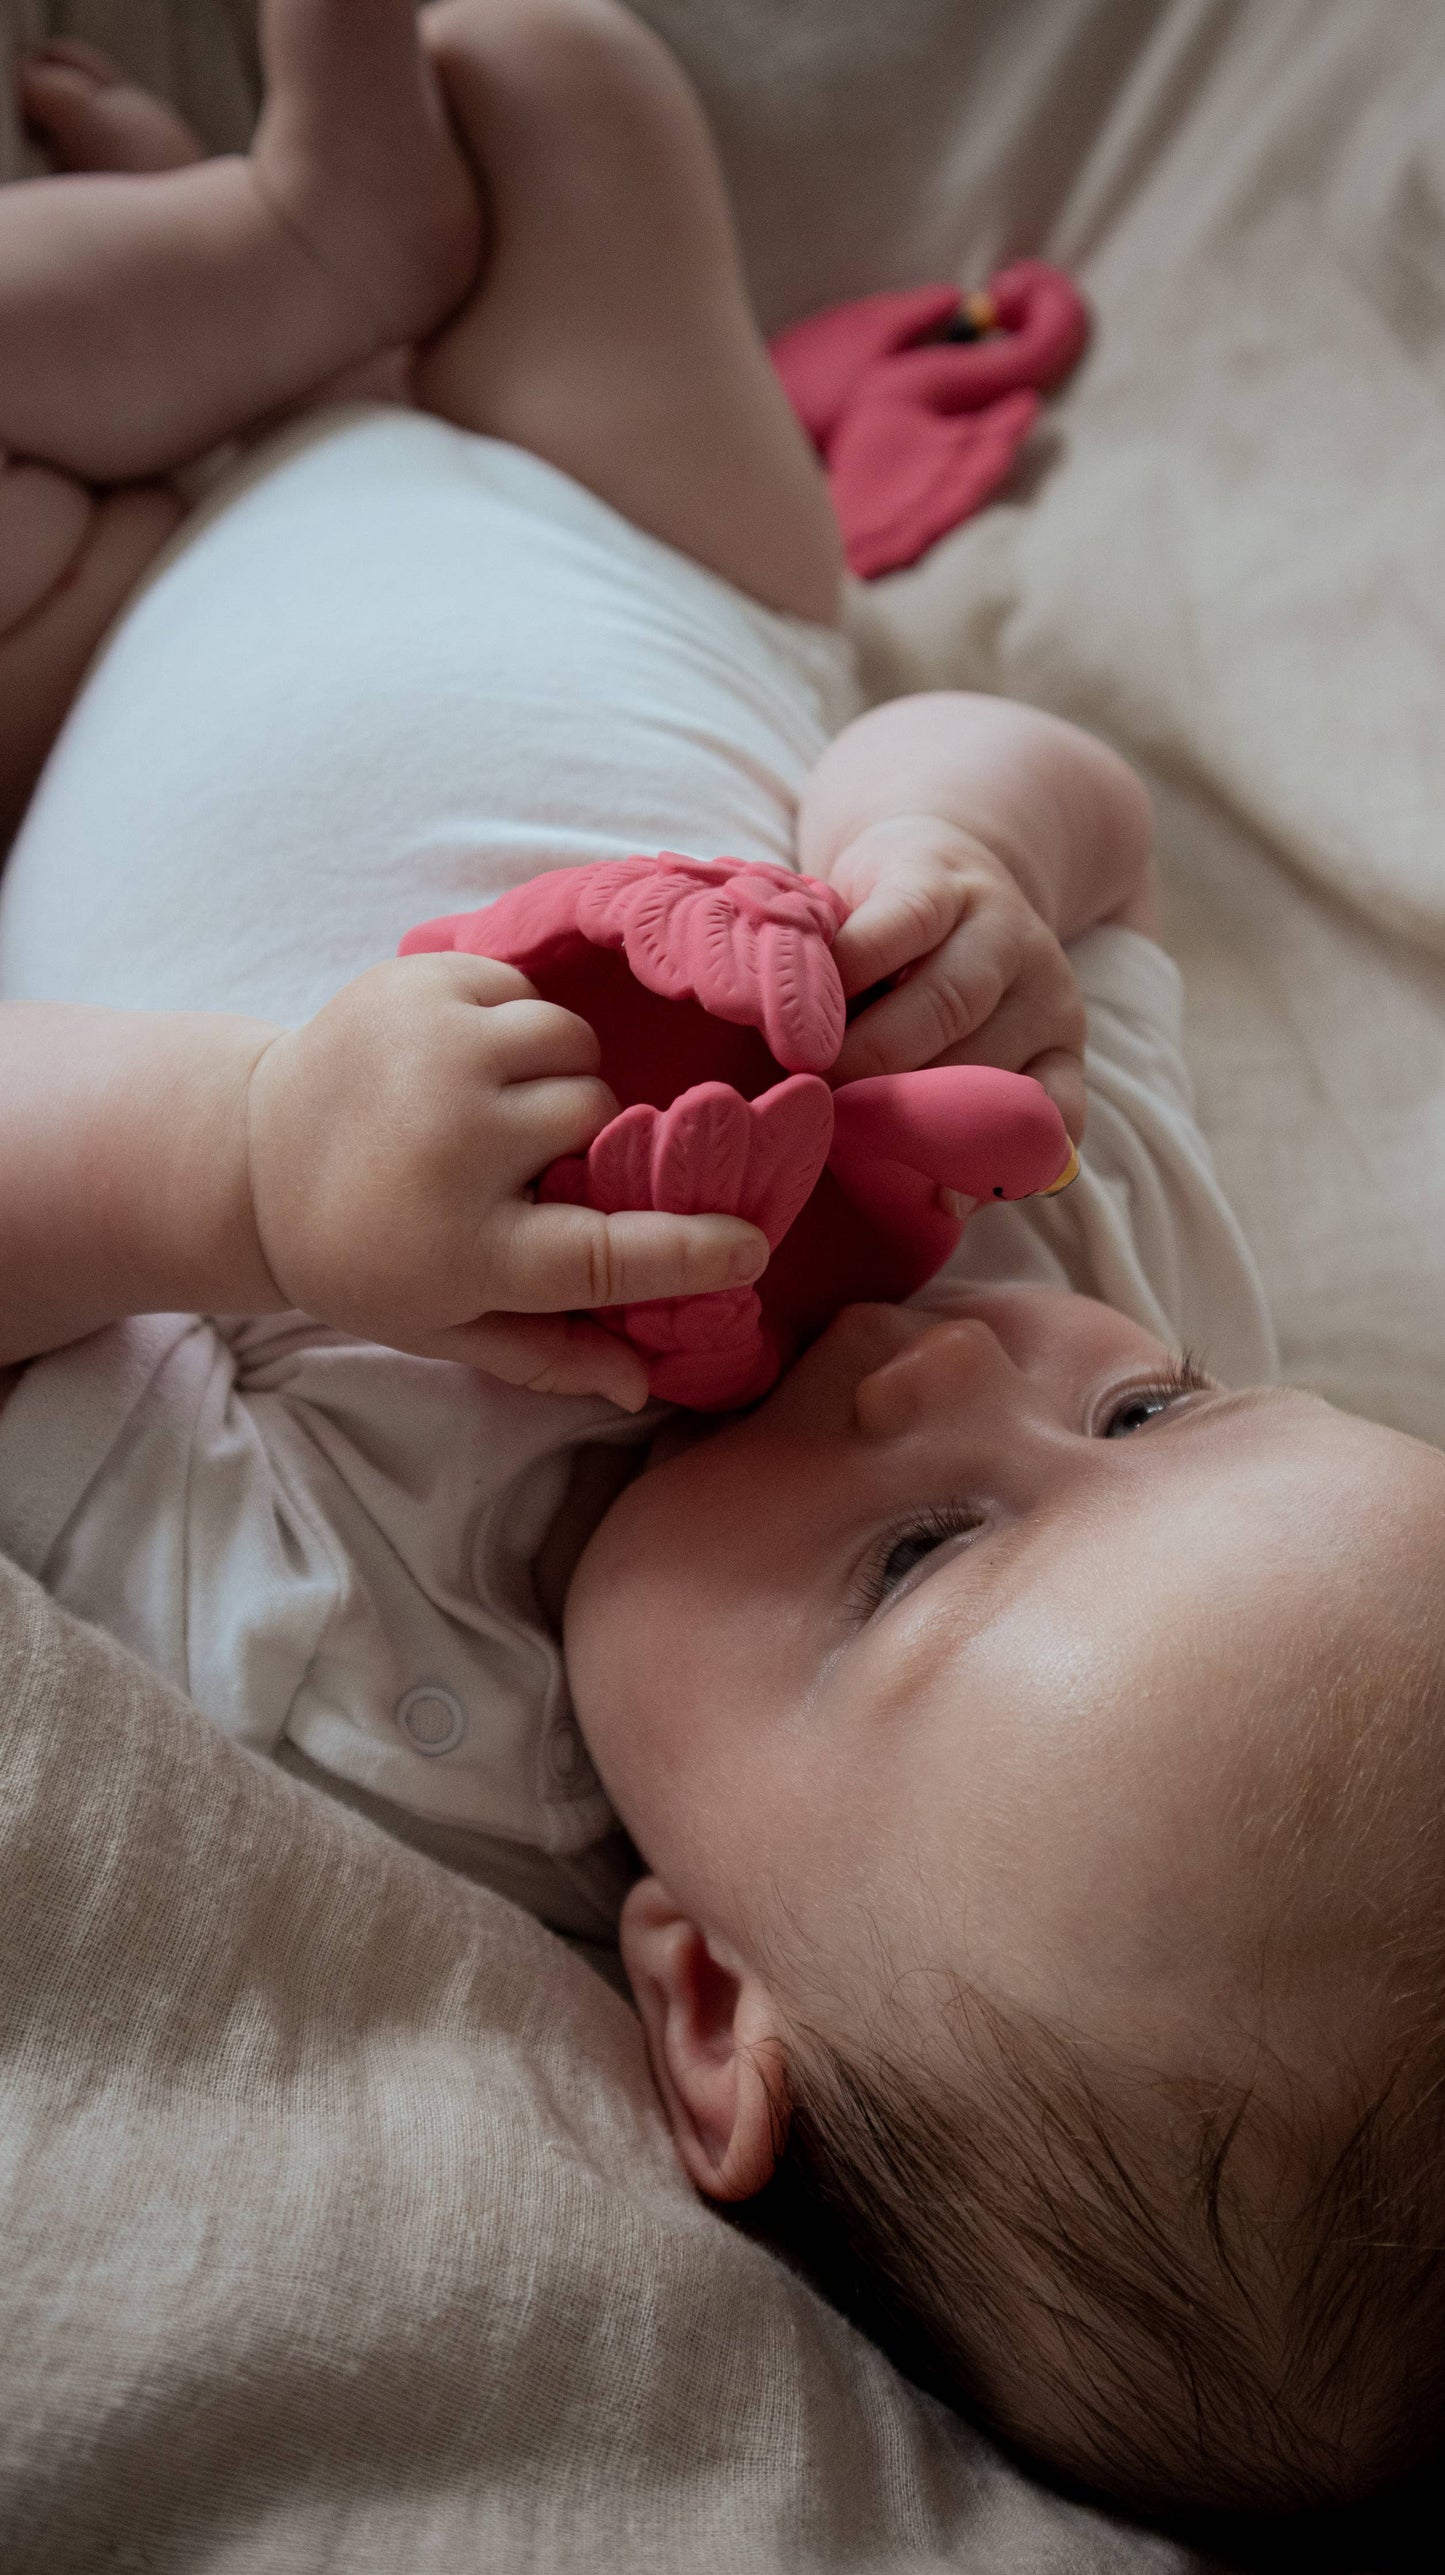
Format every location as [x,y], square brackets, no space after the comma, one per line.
[1227,550]
[340,2227]
[1230,559]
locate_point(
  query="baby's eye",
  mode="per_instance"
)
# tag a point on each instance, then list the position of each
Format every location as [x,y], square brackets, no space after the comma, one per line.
[1135,1411]
[1143,1403]
[910,1551]
[903,1549]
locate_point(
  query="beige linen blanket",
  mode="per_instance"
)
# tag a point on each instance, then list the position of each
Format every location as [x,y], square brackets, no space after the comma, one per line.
[339,2228]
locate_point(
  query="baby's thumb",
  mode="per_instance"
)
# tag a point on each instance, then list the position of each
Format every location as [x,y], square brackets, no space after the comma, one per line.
[564,1259]
[894,925]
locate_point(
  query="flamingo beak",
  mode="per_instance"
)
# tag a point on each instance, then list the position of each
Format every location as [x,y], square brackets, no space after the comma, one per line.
[1070,1172]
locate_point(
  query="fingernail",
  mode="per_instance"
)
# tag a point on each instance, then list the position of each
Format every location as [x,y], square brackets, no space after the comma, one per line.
[747,1263]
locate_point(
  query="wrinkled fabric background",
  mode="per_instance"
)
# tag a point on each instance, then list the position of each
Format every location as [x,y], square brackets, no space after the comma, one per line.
[340,2227]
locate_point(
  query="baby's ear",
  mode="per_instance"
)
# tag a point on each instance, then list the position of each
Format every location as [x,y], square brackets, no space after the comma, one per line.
[714,2038]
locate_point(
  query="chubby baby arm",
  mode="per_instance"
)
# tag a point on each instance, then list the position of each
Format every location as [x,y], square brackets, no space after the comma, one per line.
[974,838]
[372,1167]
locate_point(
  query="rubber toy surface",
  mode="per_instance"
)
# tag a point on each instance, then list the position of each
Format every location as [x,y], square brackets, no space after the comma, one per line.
[718,1007]
[919,402]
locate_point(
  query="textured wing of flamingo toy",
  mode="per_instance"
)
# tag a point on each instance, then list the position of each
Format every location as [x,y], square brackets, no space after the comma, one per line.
[718,1009]
[919,402]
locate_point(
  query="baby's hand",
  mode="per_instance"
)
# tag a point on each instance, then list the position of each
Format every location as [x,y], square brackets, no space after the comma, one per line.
[974,974]
[392,1144]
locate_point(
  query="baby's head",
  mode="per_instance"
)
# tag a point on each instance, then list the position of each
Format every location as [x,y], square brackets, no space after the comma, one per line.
[1040,1755]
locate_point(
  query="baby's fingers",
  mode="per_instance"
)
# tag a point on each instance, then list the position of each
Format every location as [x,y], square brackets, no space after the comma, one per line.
[553,1355]
[1039,1032]
[899,920]
[999,991]
[1061,1074]
[541,1121]
[933,1008]
[559,1257]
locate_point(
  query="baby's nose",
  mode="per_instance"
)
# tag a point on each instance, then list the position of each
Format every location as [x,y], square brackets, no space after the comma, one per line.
[949,1365]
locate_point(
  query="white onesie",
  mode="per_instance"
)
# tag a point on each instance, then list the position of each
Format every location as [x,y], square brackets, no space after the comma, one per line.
[391,670]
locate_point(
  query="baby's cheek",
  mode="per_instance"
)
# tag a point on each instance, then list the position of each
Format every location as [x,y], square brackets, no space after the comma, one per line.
[651,1697]
[623,1643]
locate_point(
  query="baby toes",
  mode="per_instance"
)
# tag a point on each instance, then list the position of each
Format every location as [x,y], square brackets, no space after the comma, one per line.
[90,116]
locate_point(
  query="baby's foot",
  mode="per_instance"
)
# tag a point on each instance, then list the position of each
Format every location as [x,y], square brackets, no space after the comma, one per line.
[90,116]
[355,153]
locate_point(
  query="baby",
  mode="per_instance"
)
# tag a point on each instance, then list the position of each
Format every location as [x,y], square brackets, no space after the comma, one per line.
[1030,1740]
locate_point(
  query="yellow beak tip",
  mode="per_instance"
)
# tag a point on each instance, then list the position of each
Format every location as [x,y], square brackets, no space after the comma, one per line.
[1070,1172]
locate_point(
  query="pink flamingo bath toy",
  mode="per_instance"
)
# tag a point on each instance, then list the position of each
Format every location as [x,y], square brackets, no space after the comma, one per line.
[918,402]
[718,1007]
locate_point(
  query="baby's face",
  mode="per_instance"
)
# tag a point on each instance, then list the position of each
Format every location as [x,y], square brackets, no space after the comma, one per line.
[995,1638]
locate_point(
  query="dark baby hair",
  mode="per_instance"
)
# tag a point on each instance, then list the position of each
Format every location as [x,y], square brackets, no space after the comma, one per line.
[1175,2299]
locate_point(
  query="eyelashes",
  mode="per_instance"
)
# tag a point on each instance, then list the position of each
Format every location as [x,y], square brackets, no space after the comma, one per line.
[1185,1376]
[903,1547]
[893,1559]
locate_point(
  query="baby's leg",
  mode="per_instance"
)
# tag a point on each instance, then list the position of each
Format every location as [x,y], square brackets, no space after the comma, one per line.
[144,318]
[611,332]
[92,118]
[69,556]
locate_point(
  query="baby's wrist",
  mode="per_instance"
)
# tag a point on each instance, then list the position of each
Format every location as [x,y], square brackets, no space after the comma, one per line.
[123,1182]
[206,1222]
[264,1143]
